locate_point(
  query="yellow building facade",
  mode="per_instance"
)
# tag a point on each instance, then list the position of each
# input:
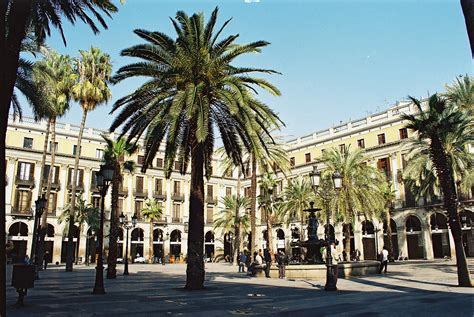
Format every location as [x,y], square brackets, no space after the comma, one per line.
[419,227]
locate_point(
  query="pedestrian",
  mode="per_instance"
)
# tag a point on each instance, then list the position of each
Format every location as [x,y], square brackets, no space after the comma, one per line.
[268,262]
[257,264]
[282,261]
[383,260]
[242,261]
[46,259]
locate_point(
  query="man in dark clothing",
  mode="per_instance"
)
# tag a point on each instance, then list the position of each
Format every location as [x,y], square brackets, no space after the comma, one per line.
[268,261]
[46,259]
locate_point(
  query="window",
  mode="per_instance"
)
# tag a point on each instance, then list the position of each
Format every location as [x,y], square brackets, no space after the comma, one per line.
[74,149]
[27,143]
[342,148]
[361,144]
[55,146]
[23,201]
[307,157]
[292,161]
[247,191]
[52,202]
[159,186]
[403,133]
[138,209]
[120,205]
[210,214]
[96,201]
[381,138]
[140,159]
[384,166]
[55,176]
[159,163]
[99,153]
[177,188]
[80,176]
[26,171]
[228,191]
[139,184]
[177,165]
[210,190]
[176,212]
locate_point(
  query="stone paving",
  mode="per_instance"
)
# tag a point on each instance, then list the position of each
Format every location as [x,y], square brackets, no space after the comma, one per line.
[409,289]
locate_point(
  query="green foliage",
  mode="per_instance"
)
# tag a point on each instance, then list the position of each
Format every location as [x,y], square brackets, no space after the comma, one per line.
[192,92]
[153,210]
[235,213]
[84,213]
[297,196]
[461,92]
[116,151]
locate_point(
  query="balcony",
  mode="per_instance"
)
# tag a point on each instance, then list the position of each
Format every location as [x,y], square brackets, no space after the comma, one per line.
[55,184]
[209,221]
[15,212]
[211,200]
[177,197]
[79,186]
[123,191]
[159,222]
[160,195]
[140,193]
[30,182]
[175,220]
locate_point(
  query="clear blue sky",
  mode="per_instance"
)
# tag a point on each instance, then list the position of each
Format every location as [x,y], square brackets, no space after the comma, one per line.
[339,60]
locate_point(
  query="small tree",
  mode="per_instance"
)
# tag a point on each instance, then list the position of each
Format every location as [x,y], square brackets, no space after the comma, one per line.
[152,212]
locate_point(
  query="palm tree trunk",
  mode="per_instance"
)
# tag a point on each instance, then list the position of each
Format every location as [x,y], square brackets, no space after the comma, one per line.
[195,267]
[389,245]
[9,55]
[44,216]
[152,255]
[113,235]
[236,249]
[76,251]
[445,175]
[70,245]
[253,205]
[43,158]
[468,11]
[270,236]
[347,235]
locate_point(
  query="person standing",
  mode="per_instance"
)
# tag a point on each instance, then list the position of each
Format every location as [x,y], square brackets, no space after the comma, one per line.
[242,261]
[46,260]
[268,262]
[282,262]
[383,260]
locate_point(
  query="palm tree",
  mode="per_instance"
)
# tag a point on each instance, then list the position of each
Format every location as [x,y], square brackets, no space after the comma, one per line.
[83,213]
[440,123]
[152,212]
[114,155]
[268,185]
[389,197]
[193,92]
[360,191]
[297,197]
[234,218]
[93,69]
[461,92]
[54,78]
[274,159]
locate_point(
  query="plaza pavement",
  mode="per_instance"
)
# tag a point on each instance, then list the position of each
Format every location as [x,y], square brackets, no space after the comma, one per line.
[424,288]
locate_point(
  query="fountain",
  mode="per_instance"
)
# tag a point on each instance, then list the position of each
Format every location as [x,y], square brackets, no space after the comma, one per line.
[313,244]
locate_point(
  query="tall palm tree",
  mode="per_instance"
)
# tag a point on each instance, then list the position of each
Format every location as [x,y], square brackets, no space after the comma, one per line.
[152,212]
[268,184]
[361,187]
[273,160]
[93,69]
[81,214]
[440,123]
[16,18]
[114,155]
[54,77]
[234,218]
[192,93]
[297,197]
[461,92]
[389,197]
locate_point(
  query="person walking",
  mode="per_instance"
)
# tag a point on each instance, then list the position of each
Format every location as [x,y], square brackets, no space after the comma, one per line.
[242,261]
[268,262]
[46,260]
[383,260]
[282,261]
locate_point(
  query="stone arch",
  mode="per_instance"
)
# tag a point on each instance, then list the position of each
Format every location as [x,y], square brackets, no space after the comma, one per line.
[209,245]
[439,235]
[369,240]
[136,240]
[175,243]
[18,234]
[413,229]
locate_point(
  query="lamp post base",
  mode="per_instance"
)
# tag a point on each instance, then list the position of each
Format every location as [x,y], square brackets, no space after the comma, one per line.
[330,280]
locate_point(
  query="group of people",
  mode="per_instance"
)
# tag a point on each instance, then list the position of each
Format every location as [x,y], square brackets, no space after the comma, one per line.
[262,261]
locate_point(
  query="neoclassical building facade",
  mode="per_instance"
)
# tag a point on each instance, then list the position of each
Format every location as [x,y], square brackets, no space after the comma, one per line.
[420,228]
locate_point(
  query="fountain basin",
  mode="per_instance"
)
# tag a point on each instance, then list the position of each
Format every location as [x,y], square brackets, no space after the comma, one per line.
[318,271]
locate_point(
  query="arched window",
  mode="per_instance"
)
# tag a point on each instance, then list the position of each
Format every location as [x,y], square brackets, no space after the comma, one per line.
[413,224]
[175,236]
[18,229]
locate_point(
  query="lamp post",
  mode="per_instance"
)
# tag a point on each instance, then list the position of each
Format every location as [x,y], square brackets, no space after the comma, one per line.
[40,205]
[127,225]
[315,176]
[103,179]
[231,250]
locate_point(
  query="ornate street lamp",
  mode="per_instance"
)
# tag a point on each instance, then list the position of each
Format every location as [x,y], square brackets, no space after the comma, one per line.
[315,176]
[103,179]
[40,205]
[127,225]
